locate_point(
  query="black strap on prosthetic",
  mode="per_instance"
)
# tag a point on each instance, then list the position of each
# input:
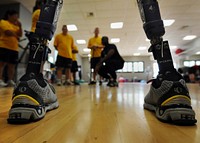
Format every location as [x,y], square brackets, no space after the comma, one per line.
[161,53]
[154,29]
[45,29]
[38,54]
[150,15]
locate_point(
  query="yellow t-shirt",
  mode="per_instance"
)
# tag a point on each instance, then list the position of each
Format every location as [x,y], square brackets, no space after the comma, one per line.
[8,42]
[95,41]
[74,54]
[64,44]
[35,18]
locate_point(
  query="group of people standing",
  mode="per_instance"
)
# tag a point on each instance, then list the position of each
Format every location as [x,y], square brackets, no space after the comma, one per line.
[105,58]
[10,33]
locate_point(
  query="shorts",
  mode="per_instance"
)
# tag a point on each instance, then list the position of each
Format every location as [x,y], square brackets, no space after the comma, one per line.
[8,56]
[94,62]
[63,62]
[74,67]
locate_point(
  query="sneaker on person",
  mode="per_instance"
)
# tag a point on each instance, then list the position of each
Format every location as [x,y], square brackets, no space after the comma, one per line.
[2,83]
[92,82]
[76,83]
[116,83]
[100,82]
[33,96]
[59,83]
[11,83]
[111,83]
[170,100]
[68,82]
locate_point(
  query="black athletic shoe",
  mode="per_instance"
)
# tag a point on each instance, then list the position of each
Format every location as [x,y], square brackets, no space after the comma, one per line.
[76,83]
[170,100]
[92,83]
[100,82]
[32,98]
[112,83]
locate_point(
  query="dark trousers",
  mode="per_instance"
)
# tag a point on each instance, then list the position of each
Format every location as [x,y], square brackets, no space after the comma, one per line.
[108,70]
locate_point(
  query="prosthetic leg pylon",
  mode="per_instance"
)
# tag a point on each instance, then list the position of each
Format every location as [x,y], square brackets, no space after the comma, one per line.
[168,96]
[33,96]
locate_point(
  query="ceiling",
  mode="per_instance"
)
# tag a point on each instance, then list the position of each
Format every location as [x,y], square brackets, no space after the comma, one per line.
[185,12]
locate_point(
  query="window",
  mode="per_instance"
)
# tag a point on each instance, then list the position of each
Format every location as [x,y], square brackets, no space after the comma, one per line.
[191,63]
[132,67]
[198,63]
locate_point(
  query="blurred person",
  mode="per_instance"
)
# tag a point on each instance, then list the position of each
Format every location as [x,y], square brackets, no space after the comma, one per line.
[110,62]
[96,47]
[194,73]
[36,13]
[64,43]
[74,67]
[11,31]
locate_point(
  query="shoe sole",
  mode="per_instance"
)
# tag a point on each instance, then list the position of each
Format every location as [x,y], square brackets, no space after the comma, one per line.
[175,115]
[22,114]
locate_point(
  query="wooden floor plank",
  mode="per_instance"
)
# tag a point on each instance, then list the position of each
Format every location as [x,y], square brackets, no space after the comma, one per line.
[99,114]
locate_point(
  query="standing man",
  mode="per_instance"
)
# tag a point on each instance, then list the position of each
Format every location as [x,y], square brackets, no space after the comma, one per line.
[64,43]
[96,47]
[11,31]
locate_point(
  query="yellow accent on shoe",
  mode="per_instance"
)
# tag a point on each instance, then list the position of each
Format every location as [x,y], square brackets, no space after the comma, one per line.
[26,96]
[173,97]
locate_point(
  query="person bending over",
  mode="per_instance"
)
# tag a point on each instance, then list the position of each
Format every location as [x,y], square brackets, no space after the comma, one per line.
[110,62]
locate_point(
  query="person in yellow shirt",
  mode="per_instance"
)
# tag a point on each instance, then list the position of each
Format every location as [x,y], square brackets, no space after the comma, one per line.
[11,31]
[74,67]
[36,13]
[64,43]
[96,47]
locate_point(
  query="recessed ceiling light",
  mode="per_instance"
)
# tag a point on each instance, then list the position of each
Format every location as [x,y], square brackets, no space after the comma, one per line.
[116,25]
[142,48]
[72,27]
[81,41]
[115,40]
[198,53]
[136,54]
[86,50]
[168,22]
[189,37]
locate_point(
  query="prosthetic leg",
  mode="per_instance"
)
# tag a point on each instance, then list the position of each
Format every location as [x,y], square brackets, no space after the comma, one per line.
[168,96]
[33,95]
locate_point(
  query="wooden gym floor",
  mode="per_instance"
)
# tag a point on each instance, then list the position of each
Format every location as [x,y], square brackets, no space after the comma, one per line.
[99,114]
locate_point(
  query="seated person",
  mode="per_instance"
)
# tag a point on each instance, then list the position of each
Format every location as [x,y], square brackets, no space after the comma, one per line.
[194,73]
[110,62]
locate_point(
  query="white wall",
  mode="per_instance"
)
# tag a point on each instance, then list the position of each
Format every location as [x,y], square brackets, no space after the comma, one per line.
[148,64]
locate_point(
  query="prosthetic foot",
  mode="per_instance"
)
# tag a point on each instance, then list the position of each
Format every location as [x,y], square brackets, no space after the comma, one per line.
[168,96]
[33,96]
